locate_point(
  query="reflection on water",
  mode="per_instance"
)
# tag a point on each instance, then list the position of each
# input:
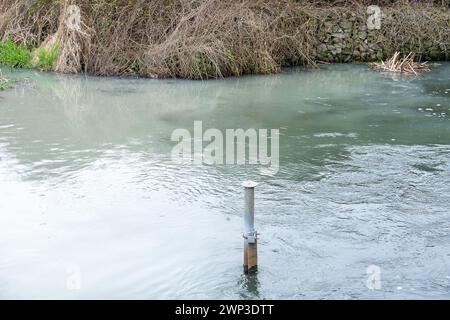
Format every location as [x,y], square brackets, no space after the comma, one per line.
[86,181]
[249,285]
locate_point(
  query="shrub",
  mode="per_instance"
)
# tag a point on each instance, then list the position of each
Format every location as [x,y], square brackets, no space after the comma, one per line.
[46,57]
[13,55]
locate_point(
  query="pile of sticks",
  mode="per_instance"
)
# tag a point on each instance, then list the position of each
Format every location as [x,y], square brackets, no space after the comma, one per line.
[405,65]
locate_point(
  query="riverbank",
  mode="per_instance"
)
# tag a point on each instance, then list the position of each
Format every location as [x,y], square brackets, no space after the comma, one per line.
[211,39]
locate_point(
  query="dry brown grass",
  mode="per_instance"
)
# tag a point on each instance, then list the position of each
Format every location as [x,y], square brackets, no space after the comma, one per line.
[405,65]
[200,38]
[220,38]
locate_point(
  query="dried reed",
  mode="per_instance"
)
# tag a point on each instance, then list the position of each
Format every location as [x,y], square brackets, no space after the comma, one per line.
[405,65]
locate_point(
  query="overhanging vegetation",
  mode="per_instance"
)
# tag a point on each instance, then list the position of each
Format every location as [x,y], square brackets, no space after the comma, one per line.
[200,39]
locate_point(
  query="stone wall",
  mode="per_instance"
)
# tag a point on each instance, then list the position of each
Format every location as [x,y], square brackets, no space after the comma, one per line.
[344,36]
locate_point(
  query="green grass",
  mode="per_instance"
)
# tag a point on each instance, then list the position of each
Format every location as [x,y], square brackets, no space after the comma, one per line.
[17,56]
[13,55]
[46,57]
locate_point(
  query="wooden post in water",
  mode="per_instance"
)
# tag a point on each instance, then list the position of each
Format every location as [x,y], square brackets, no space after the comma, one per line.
[250,235]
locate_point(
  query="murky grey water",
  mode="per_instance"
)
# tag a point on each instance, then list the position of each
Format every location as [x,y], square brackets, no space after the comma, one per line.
[88,191]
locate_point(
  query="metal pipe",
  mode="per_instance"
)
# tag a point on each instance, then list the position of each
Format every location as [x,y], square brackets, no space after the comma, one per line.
[250,234]
[249,213]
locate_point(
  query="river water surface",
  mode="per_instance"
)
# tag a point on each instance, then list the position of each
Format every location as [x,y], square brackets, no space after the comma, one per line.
[91,205]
